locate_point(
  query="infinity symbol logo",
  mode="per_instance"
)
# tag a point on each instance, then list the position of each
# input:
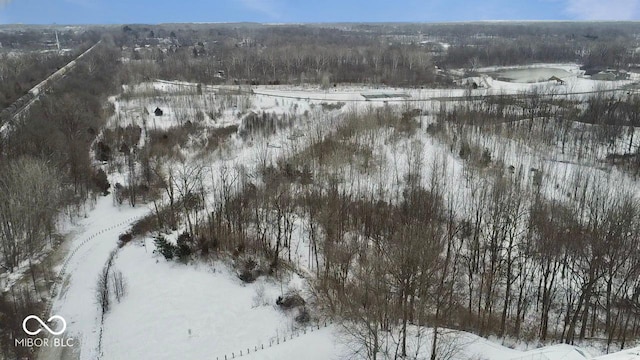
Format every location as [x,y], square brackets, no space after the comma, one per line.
[44,325]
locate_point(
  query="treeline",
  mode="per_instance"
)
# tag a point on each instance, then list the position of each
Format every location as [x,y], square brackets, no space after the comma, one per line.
[406,65]
[400,55]
[286,55]
[512,29]
[310,63]
[592,44]
[487,52]
[529,49]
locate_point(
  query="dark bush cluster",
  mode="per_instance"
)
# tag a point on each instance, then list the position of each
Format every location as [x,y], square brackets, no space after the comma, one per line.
[182,251]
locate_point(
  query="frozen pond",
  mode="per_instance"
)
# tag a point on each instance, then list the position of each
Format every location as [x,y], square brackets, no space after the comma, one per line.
[530,75]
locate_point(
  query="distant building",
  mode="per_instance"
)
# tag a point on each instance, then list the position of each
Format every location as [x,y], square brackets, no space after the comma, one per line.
[158,112]
[557,80]
[604,75]
[610,75]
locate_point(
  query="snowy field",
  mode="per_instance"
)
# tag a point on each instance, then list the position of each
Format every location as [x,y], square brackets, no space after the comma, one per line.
[177,311]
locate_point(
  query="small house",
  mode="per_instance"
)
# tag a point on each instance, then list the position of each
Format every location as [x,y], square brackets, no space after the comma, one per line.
[557,80]
[158,112]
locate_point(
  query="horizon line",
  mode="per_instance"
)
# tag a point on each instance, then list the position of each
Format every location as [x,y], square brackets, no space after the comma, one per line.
[497,21]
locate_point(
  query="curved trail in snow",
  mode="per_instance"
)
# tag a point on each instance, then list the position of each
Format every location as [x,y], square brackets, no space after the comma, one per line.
[72,295]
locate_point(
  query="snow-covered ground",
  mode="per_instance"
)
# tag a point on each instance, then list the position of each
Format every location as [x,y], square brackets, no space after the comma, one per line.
[202,310]
[574,83]
[91,244]
[177,311]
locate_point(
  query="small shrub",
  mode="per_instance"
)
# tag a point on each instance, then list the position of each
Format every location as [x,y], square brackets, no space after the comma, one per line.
[330,107]
[144,225]
[434,128]
[259,299]
[124,239]
[290,300]
[303,316]
[102,151]
[101,182]
[217,136]
[246,276]
[465,150]
[167,142]
[205,245]
[118,284]
[138,191]
[183,249]
[199,116]
[485,160]
[164,247]
[410,114]
[249,270]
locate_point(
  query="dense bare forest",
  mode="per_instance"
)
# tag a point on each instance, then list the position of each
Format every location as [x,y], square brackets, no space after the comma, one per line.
[402,55]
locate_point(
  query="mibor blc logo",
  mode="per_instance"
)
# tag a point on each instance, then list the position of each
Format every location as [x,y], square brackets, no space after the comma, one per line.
[29,327]
[42,324]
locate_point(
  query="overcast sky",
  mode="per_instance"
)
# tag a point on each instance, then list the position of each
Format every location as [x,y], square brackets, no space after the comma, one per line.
[285,11]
